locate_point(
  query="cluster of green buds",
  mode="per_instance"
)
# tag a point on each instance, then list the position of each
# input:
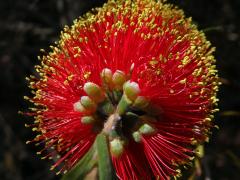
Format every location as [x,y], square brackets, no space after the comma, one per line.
[107,106]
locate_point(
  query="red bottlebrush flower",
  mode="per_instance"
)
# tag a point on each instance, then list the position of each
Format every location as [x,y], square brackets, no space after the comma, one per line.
[137,71]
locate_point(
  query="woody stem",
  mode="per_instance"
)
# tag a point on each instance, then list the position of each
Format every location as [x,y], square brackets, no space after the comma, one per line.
[111,123]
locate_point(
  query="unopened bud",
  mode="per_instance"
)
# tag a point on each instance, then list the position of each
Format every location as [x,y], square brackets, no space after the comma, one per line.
[87,119]
[118,79]
[131,89]
[136,136]
[79,107]
[88,103]
[146,129]
[94,91]
[141,102]
[106,76]
[116,147]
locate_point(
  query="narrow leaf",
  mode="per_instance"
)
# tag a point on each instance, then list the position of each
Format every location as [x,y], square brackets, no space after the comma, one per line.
[104,160]
[83,167]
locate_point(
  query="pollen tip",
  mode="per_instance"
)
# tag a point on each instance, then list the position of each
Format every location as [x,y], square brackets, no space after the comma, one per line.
[26,97]
[191,158]
[193,141]
[20,112]
[57,173]
[179,173]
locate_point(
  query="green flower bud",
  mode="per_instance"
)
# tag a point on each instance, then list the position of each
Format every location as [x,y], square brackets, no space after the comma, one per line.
[131,89]
[118,79]
[136,136]
[94,92]
[141,102]
[79,107]
[88,103]
[146,129]
[106,76]
[116,147]
[87,119]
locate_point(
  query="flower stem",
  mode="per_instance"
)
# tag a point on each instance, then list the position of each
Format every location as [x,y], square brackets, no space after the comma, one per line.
[111,123]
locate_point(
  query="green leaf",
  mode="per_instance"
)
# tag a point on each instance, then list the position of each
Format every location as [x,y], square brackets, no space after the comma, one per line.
[104,160]
[99,155]
[83,167]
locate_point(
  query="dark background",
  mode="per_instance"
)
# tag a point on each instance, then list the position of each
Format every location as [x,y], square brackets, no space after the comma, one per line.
[28,25]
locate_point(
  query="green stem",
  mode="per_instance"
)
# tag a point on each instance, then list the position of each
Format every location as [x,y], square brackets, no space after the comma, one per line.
[123,105]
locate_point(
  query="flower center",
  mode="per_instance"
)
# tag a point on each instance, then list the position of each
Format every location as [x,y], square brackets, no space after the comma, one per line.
[116,109]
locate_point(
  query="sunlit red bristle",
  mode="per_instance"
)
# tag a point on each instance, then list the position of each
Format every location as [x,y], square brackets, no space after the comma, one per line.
[132,164]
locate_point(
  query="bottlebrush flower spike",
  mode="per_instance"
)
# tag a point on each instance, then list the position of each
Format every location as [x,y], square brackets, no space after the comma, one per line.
[137,71]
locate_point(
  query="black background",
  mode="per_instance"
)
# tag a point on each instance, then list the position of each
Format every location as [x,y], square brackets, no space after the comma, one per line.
[28,25]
